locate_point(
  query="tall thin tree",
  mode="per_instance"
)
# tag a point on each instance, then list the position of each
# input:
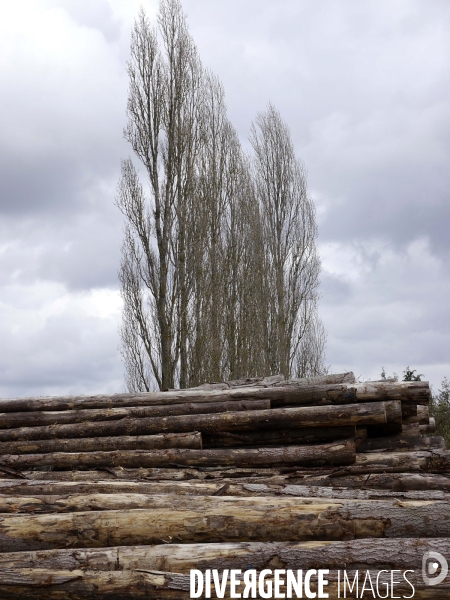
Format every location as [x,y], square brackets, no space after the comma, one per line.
[293,265]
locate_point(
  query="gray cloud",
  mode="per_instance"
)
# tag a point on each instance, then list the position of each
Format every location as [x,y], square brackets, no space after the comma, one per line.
[364,87]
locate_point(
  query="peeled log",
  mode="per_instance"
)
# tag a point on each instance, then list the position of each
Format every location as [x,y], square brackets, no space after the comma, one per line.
[279,437]
[370,413]
[132,442]
[180,558]
[401,443]
[338,453]
[220,519]
[283,394]
[39,418]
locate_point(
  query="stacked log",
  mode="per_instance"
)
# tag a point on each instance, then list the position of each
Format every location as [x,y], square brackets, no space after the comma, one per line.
[121,496]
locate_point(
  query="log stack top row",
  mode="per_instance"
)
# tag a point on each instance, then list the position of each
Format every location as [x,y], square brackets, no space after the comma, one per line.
[120,496]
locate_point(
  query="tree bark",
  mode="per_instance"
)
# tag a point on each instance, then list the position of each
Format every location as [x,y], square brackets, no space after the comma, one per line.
[216,519]
[91,585]
[132,442]
[401,443]
[39,418]
[181,558]
[287,394]
[161,585]
[316,416]
[338,453]
[153,474]
[280,437]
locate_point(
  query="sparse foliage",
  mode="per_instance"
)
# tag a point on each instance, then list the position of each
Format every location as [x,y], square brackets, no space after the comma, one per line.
[410,375]
[219,269]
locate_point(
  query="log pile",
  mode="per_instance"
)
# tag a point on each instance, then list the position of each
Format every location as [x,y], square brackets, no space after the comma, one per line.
[121,496]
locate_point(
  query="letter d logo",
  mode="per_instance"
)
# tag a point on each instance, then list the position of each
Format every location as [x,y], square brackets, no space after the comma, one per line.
[430,564]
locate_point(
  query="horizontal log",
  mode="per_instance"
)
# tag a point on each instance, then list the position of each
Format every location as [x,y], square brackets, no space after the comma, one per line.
[302,435]
[181,558]
[279,381]
[94,501]
[422,417]
[131,442]
[219,519]
[421,460]
[45,584]
[428,428]
[337,453]
[407,392]
[65,497]
[401,443]
[149,474]
[282,395]
[39,418]
[161,585]
[305,416]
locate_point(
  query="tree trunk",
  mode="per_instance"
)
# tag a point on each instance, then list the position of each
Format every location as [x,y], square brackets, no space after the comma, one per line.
[401,443]
[316,416]
[132,442]
[287,394]
[338,453]
[39,418]
[277,438]
[180,558]
[216,519]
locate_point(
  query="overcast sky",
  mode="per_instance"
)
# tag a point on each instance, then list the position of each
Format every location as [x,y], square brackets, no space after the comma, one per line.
[365,89]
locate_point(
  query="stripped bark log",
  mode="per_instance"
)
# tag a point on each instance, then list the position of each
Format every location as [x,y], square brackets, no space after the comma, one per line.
[400,443]
[337,453]
[52,504]
[131,442]
[279,437]
[316,416]
[286,394]
[181,558]
[217,519]
[45,584]
[39,418]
